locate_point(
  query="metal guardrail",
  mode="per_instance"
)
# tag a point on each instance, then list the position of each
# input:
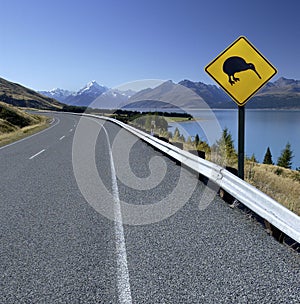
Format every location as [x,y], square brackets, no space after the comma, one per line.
[264,206]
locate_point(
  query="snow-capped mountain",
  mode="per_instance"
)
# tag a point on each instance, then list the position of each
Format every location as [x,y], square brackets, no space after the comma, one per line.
[283,93]
[93,95]
[86,95]
[58,94]
[92,88]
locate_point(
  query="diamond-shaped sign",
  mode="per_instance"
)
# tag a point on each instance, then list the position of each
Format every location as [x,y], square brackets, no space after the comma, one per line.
[241,70]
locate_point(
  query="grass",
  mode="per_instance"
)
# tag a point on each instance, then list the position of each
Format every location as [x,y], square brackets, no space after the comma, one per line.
[16,124]
[178,119]
[283,185]
[7,138]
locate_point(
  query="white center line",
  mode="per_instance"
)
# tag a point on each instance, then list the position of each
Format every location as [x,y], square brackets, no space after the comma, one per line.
[33,156]
[122,267]
[62,137]
[71,130]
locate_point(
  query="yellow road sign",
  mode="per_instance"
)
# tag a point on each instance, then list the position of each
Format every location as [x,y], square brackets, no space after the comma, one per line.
[241,70]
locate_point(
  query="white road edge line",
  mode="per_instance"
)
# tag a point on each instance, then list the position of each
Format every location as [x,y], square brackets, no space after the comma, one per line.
[33,156]
[62,137]
[25,138]
[122,266]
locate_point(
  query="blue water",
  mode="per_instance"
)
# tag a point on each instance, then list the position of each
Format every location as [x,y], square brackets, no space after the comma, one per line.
[263,128]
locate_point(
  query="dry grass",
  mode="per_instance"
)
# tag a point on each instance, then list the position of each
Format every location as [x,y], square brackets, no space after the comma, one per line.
[16,124]
[283,185]
[19,133]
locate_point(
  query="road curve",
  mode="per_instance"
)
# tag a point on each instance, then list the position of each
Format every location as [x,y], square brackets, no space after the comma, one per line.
[66,240]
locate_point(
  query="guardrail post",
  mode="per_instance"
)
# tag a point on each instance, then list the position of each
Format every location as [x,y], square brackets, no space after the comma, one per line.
[178,144]
[198,153]
[228,198]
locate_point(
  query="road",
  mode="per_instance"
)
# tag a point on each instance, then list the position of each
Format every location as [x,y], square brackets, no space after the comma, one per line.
[67,237]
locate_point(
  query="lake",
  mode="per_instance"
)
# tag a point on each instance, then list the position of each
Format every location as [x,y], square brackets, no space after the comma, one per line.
[263,128]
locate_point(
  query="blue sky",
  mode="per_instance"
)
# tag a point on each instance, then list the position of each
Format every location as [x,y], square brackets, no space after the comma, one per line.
[59,43]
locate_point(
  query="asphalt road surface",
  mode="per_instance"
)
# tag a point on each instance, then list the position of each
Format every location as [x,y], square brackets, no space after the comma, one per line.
[79,224]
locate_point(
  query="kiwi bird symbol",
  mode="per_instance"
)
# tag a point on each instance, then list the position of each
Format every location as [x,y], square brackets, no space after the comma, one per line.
[237,64]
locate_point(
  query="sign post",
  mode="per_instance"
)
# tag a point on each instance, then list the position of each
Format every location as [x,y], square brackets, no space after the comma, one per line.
[241,70]
[241,142]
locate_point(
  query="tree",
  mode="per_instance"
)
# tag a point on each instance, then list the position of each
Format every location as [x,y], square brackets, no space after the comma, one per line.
[197,139]
[225,144]
[181,138]
[223,150]
[285,159]
[268,158]
[148,121]
[161,123]
[253,158]
[204,146]
[176,134]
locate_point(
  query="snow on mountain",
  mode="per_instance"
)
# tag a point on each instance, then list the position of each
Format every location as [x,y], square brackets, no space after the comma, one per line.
[113,99]
[86,95]
[92,88]
[58,94]
[119,94]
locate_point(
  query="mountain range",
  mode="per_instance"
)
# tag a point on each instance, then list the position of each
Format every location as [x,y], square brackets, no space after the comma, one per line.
[84,97]
[58,94]
[91,95]
[283,93]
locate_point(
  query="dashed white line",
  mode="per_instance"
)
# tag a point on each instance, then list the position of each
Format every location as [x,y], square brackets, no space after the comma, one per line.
[33,156]
[71,130]
[62,137]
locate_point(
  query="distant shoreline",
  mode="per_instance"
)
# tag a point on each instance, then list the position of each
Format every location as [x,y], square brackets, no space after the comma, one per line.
[175,110]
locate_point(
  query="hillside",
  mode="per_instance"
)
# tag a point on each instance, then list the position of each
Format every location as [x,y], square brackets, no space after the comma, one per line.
[281,184]
[16,124]
[20,96]
[283,93]
[12,119]
[212,95]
